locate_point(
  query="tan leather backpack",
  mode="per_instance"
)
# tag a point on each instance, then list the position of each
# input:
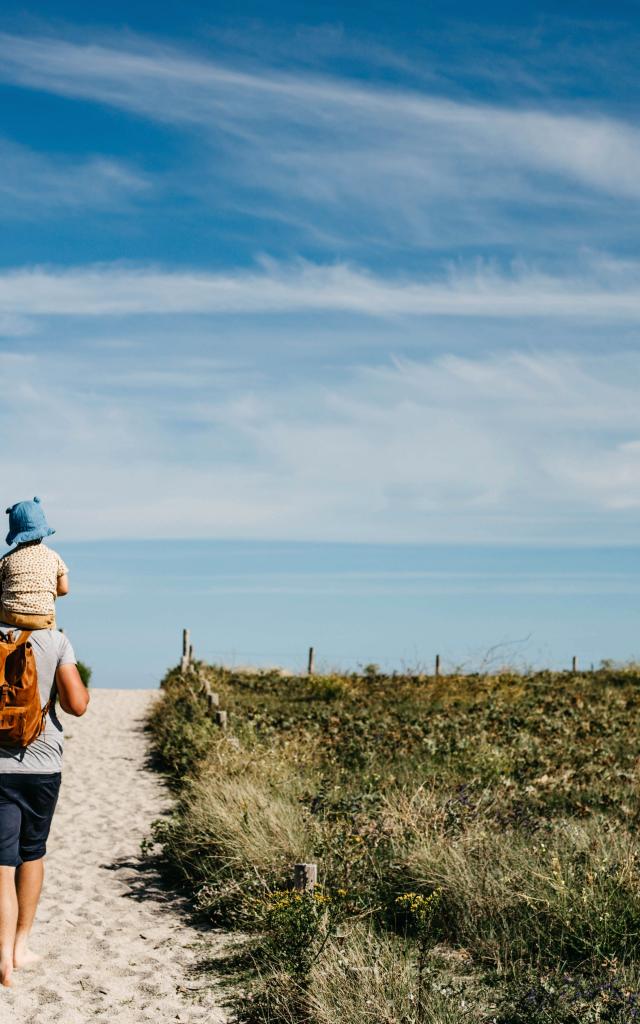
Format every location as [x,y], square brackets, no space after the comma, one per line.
[22,718]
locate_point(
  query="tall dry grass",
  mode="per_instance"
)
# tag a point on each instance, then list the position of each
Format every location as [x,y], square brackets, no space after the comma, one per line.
[239,826]
[370,977]
[564,893]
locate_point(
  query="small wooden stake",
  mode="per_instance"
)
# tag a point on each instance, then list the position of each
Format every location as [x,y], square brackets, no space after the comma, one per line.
[305,877]
[221,719]
[574,664]
[437,671]
[186,651]
[311,663]
[213,700]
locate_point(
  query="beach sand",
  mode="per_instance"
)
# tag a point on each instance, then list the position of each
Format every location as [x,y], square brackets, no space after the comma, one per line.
[117,946]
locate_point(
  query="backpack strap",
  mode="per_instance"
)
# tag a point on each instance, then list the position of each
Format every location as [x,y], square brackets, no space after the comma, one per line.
[22,639]
[6,636]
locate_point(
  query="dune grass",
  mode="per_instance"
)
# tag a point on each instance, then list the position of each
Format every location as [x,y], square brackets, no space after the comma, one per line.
[476,840]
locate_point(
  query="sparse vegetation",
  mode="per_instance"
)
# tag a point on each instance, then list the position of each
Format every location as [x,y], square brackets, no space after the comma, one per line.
[477,841]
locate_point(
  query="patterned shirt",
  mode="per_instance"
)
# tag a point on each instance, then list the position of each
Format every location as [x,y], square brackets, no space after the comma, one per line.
[29,579]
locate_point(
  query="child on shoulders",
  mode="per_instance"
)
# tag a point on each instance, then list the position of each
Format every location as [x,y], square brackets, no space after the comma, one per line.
[32,575]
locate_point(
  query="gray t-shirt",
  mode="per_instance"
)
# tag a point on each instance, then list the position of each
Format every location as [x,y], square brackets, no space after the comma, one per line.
[44,755]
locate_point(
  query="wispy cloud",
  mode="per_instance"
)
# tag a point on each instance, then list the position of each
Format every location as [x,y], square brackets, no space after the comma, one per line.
[31,182]
[502,448]
[605,289]
[343,145]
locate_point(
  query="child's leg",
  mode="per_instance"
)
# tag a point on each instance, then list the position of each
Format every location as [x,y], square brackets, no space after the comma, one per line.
[28,621]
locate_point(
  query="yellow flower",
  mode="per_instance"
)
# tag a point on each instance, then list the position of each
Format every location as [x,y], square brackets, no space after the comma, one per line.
[417,903]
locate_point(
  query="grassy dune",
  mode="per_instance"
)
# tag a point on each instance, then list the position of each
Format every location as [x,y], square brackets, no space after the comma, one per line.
[477,841]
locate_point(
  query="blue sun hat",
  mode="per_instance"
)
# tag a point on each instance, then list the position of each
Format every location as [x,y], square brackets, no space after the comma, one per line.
[27,521]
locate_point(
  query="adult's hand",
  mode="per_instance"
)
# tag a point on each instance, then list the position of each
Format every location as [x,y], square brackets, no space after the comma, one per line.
[73,694]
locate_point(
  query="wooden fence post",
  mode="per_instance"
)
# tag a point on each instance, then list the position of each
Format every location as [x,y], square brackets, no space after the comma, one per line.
[437,671]
[221,719]
[213,700]
[305,877]
[311,662]
[187,650]
[574,664]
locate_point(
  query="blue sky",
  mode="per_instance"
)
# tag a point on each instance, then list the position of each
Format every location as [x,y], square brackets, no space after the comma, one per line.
[322,272]
[265,603]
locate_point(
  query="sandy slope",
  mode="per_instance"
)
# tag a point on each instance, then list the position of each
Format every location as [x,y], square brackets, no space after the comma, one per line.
[116,947]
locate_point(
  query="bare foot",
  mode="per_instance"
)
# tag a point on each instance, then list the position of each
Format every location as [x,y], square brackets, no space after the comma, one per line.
[25,958]
[6,970]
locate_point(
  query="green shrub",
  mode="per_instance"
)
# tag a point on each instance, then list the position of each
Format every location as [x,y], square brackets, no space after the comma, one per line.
[296,926]
[182,734]
[562,998]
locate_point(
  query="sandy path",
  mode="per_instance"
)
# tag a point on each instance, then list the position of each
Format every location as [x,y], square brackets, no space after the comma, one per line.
[116,947]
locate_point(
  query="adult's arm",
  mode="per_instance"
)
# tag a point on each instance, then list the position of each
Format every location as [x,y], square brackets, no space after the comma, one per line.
[73,694]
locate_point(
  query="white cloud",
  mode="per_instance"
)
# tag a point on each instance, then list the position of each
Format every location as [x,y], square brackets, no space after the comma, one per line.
[502,448]
[600,291]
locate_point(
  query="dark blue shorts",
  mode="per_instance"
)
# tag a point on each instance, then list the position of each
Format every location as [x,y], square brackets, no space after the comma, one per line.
[27,803]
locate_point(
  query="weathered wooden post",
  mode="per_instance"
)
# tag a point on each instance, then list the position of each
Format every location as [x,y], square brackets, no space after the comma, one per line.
[311,662]
[213,700]
[437,669]
[574,664]
[221,719]
[186,651]
[305,877]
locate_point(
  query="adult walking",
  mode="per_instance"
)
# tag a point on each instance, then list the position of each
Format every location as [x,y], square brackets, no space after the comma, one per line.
[29,784]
